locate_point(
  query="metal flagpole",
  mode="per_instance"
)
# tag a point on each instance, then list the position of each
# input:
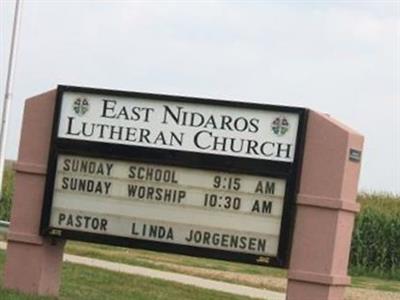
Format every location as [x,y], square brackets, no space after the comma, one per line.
[8,91]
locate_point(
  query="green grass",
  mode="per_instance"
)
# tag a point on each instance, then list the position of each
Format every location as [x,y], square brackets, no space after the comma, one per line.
[86,283]
[201,267]
[163,261]
[366,282]
[196,266]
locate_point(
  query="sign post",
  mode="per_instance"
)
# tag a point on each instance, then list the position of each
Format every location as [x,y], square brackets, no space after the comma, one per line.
[201,177]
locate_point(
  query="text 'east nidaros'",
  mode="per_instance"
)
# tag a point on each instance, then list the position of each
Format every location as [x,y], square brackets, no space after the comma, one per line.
[179,128]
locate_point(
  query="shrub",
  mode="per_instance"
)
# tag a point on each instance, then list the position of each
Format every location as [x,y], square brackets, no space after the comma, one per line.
[8,190]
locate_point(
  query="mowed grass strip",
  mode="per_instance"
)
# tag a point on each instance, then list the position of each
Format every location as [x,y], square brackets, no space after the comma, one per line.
[165,261]
[237,273]
[250,275]
[86,283]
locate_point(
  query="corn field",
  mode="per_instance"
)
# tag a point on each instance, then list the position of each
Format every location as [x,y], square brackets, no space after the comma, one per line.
[375,248]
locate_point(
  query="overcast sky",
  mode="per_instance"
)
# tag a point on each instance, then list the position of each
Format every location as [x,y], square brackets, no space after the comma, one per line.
[338,57]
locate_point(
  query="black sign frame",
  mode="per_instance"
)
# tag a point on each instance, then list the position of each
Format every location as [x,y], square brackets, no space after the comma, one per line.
[283,170]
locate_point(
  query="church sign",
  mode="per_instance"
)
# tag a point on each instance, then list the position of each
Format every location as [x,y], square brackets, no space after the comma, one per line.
[194,176]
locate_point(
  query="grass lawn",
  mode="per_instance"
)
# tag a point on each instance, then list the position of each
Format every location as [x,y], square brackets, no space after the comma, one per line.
[195,266]
[79,282]
[375,284]
[164,261]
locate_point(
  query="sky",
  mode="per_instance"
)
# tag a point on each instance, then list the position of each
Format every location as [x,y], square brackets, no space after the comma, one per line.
[336,57]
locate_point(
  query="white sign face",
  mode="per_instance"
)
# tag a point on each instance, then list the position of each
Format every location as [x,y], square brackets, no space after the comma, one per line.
[207,209]
[193,127]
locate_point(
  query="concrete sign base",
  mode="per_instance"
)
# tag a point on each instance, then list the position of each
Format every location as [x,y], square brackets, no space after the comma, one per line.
[326,205]
[33,264]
